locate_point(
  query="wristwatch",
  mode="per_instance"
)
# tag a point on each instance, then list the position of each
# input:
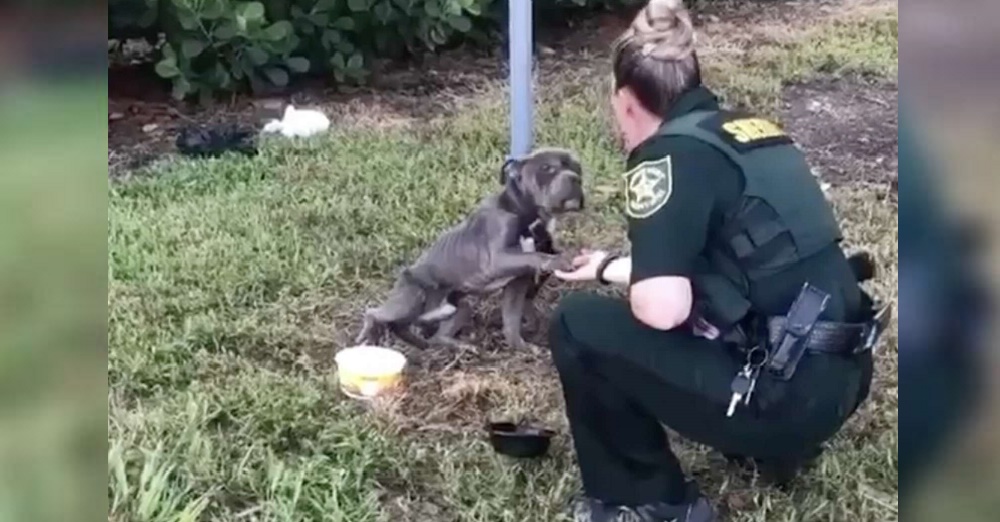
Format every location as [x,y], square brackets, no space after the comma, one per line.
[603,266]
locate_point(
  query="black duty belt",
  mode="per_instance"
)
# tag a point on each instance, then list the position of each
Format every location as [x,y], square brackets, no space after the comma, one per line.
[790,336]
[834,337]
[786,338]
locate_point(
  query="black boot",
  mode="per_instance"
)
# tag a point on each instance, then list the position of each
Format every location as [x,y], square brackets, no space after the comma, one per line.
[586,509]
[696,508]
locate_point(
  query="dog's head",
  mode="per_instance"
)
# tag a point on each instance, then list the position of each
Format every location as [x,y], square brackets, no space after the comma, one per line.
[550,178]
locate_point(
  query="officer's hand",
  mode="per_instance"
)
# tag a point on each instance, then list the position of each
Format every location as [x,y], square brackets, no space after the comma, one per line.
[584,266]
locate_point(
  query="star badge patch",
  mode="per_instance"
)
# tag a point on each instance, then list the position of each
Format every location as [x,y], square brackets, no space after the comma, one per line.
[648,187]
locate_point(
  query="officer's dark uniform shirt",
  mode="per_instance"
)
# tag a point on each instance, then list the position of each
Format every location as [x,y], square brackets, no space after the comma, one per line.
[702,183]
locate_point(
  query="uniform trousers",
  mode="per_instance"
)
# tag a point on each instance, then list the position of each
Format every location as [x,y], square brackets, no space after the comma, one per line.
[623,382]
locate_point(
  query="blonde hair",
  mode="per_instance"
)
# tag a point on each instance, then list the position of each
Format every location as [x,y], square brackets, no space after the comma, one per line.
[655,56]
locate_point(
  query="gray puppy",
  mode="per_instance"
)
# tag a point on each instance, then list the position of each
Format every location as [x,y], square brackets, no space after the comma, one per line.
[491,249]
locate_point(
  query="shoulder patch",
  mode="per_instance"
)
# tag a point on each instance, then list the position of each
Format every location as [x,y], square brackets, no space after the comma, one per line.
[648,187]
[744,132]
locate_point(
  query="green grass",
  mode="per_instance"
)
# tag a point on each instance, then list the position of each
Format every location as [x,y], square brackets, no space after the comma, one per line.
[233,281]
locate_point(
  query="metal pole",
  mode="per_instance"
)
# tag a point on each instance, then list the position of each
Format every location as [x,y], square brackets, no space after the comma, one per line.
[519,35]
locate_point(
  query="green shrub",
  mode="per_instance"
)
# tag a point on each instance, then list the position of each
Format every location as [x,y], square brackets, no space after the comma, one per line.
[220,45]
[228,45]
[132,18]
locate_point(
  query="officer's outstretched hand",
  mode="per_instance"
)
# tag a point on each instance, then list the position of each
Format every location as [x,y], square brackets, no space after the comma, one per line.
[584,266]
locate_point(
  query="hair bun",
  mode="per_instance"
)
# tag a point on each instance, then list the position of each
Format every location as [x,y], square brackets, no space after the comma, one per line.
[663,30]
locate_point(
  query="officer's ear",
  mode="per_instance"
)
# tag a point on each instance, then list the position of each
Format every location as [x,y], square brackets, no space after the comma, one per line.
[511,170]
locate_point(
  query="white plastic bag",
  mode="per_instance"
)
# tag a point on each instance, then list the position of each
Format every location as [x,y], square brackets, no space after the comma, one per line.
[299,123]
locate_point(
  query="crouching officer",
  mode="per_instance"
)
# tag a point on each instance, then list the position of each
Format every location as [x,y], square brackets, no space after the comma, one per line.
[744,328]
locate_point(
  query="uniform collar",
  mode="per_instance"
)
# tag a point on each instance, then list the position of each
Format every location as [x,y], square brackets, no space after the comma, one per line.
[698,99]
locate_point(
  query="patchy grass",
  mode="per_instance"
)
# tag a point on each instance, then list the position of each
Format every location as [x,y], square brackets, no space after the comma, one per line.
[752,62]
[233,281]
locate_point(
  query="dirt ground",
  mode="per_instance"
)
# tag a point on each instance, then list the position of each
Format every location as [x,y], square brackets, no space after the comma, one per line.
[848,129]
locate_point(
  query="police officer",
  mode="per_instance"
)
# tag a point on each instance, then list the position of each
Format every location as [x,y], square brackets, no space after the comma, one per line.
[744,328]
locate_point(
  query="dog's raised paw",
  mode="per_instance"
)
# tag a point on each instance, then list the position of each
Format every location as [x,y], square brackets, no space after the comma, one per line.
[559,263]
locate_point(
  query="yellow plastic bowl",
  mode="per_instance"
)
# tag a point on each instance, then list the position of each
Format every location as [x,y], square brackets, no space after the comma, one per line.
[366,372]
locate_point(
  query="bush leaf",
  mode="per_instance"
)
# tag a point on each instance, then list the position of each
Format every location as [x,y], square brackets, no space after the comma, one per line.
[331,37]
[181,88]
[344,24]
[225,31]
[187,18]
[257,55]
[212,9]
[460,23]
[167,68]
[297,64]
[278,30]
[168,51]
[357,5]
[383,11]
[253,11]
[192,47]
[345,47]
[277,76]
[320,19]
[356,61]
[221,76]
[338,62]
[437,35]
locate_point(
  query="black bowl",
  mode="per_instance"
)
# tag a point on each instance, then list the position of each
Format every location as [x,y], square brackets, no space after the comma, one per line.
[523,442]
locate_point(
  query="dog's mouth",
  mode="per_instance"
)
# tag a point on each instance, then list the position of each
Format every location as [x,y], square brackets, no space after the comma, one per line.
[571,205]
[574,203]
[565,206]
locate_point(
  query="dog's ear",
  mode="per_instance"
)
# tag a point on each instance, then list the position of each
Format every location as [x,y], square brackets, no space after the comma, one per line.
[574,163]
[511,170]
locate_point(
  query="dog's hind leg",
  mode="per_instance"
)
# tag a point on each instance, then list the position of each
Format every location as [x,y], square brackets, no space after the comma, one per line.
[448,330]
[443,312]
[445,309]
[403,332]
[404,305]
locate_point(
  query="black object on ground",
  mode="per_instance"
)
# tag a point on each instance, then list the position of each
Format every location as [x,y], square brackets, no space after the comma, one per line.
[214,140]
[521,442]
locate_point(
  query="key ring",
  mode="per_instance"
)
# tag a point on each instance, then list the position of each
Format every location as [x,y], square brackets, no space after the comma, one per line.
[754,351]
